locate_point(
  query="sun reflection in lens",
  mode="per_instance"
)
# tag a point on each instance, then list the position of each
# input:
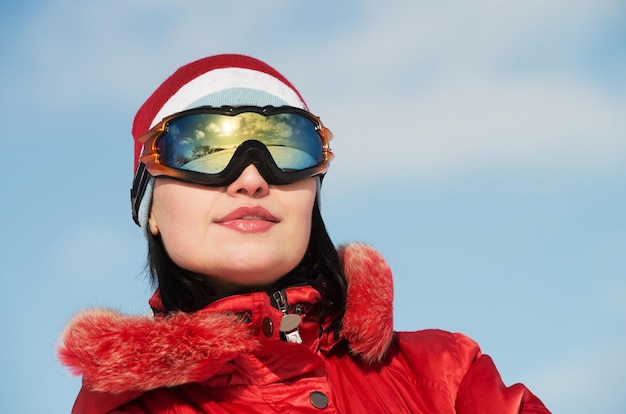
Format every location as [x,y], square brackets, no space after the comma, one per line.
[227,126]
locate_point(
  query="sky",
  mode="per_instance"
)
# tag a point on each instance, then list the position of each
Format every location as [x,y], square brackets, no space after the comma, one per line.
[480,146]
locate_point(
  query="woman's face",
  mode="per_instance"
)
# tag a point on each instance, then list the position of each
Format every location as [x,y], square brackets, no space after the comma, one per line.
[246,234]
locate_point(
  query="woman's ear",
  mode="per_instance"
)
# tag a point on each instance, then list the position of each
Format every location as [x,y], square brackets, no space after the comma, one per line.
[152,225]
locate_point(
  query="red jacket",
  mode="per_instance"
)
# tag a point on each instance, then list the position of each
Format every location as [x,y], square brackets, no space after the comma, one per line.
[229,358]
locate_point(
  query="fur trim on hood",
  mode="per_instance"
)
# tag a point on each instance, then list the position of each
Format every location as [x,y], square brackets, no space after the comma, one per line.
[368,321]
[117,353]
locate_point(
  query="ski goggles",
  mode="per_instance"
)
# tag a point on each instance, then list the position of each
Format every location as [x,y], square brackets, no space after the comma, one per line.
[212,146]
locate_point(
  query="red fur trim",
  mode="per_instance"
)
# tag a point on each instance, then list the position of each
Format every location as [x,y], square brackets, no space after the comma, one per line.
[368,322]
[118,353]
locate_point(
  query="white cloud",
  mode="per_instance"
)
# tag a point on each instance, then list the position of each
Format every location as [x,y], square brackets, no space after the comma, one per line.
[434,89]
[476,123]
[425,86]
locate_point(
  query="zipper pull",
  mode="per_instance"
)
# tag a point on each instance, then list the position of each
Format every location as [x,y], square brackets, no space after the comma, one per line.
[290,321]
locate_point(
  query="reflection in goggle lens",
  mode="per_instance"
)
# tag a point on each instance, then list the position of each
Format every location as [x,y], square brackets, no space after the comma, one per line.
[206,142]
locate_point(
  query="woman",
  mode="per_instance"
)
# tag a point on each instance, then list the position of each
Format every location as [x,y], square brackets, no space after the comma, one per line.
[255,310]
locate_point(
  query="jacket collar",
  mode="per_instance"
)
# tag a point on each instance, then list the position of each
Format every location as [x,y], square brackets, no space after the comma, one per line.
[118,353]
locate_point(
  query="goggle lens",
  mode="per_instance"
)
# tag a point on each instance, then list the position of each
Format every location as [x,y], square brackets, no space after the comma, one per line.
[207,142]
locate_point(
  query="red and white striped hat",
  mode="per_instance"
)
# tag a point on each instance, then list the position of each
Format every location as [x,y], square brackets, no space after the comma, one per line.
[228,79]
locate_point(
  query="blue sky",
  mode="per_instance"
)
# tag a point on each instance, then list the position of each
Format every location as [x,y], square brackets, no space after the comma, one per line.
[480,146]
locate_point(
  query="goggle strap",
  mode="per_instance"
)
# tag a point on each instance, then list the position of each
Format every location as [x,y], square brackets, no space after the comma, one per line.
[140,182]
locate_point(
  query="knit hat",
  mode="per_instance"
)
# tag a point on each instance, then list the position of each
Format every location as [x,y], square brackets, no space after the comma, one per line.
[229,79]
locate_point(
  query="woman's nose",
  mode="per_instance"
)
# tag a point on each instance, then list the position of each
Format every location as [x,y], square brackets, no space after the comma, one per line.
[250,182]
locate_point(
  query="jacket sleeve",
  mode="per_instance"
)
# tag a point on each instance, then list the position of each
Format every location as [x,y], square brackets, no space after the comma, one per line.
[482,392]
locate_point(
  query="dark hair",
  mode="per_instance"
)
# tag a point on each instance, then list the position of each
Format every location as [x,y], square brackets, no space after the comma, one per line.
[182,290]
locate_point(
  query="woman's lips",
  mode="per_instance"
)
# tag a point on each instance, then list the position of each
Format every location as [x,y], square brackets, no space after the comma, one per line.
[249,220]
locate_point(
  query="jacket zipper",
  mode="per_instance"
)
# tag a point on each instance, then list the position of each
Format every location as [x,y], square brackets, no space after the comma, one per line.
[290,321]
